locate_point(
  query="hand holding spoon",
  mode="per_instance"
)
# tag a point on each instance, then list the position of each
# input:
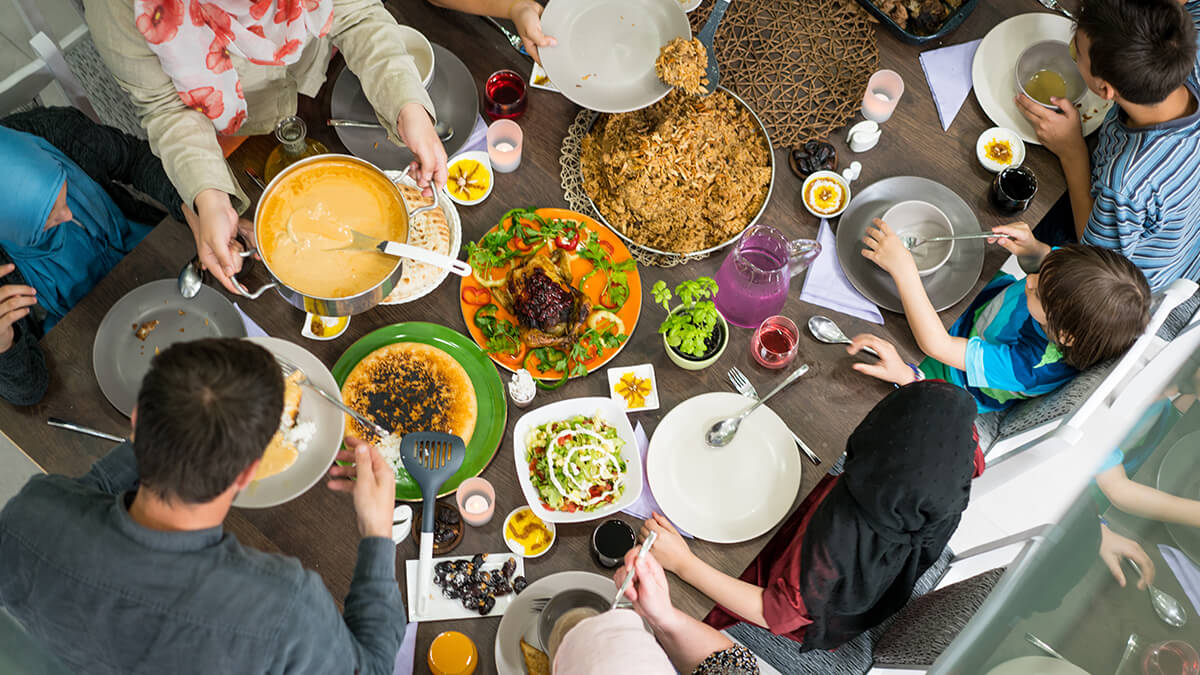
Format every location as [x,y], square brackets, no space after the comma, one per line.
[825,330]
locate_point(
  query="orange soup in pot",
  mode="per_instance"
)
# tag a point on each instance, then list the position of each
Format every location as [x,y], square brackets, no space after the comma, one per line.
[307,218]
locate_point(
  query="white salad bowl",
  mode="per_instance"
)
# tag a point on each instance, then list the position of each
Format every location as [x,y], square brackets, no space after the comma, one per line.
[611,412]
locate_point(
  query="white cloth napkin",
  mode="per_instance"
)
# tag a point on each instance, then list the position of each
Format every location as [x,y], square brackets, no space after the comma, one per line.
[826,284]
[948,71]
[646,503]
[252,328]
[1185,571]
[406,657]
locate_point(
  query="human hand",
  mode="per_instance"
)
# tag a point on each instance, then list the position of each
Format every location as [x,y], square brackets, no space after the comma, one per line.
[885,248]
[1113,547]
[527,15]
[1020,241]
[15,301]
[373,487]
[416,130]
[1060,132]
[890,367]
[214,226]
[670,549]
[649,591]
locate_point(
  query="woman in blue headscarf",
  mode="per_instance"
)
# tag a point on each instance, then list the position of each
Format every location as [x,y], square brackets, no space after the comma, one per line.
[61,229]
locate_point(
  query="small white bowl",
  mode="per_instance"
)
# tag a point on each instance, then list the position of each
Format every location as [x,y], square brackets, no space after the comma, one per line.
[481,157]
[418,47]
[998,134]
[328,323]
[1055,56]
[515,547]
[922,219]
[826,175]
[689,5]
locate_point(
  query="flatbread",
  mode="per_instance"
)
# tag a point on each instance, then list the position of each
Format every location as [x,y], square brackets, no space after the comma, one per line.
[536,661]
[407,387]
[429,230]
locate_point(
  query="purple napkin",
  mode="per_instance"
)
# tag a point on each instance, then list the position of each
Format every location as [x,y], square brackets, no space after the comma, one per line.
[252,329]
[1185,571]
[478,138]
[948,71]
[826,285]
[646,504]
[406,657]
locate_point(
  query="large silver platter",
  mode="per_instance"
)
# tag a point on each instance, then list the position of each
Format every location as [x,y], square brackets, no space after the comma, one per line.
[946,286]
[653,256]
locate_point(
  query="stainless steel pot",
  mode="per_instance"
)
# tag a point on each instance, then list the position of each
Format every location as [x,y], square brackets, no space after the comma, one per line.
[347,306]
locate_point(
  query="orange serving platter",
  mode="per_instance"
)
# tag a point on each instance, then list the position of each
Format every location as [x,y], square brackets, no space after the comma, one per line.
[628,313]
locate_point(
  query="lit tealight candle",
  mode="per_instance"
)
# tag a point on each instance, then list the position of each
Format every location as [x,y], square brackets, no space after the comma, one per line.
[476,501]
[504,139]
[884,90]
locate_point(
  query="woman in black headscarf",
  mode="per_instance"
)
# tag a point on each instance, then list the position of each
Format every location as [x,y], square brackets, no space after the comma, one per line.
[849,557]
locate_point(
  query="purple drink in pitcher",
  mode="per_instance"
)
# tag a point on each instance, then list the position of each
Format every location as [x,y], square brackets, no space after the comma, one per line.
[753,280]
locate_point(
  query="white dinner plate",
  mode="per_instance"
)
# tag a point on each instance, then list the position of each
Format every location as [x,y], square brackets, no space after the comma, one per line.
[611,412]
[606,50]
[1037,665]
[521,622]
[316,459]
[994,77]
[728,494]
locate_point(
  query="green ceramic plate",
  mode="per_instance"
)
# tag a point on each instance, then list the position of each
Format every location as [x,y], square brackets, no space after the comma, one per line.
[489,390]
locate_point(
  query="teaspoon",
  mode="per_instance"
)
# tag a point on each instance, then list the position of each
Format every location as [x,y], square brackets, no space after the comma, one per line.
[721,433]
[1165,606]
[190,279]
[825,330]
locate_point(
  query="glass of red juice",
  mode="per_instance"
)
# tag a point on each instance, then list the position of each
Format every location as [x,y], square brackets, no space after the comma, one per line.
[774,342]
[504,95]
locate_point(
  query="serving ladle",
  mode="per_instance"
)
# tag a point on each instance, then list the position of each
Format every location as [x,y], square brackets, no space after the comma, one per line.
[1165,605]
[721,433]
[825,330]
[365,242]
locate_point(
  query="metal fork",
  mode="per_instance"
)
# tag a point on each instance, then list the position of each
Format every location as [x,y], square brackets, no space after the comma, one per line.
[288,368]
[1054,6]
[746,388]
[539,604]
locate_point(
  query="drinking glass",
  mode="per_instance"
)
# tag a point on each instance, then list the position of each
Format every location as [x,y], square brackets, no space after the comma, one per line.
[504,95]
[1173,657]
[611,541]
[753,281]
[1013,189]
[775,342]
[884,90]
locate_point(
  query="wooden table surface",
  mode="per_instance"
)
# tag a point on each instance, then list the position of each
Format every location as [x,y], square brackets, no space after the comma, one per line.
[823,407]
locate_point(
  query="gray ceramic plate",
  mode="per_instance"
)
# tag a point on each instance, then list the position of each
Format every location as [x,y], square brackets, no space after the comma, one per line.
[1177,475]
[454,98]
[121,359]
[946,286]
[329,425]
[606,50]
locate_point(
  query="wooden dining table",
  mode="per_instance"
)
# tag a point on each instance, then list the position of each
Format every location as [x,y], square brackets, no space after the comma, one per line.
[823,408]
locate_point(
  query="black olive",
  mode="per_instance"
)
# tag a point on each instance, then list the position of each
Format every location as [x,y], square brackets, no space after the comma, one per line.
[519,584]
[486,606]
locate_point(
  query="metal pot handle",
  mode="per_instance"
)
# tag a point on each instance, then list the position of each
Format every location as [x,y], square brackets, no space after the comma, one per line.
[245,292]
[436,200]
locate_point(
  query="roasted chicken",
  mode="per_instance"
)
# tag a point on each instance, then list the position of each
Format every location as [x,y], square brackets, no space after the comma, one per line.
[550,311]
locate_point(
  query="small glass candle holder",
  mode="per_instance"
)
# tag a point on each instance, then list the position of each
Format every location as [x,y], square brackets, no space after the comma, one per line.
[504,140]
[504,95]
[476,501]
[884,90]
[775,342]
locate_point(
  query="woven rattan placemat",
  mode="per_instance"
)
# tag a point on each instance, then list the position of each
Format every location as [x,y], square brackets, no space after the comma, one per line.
[802,65]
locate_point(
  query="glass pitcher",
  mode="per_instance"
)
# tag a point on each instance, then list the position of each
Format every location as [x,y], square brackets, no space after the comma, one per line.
[753,281]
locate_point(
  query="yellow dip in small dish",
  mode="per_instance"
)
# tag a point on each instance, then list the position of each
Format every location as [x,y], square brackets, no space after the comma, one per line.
[526,534]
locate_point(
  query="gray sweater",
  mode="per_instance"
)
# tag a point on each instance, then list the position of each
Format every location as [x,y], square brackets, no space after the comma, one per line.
[110,596]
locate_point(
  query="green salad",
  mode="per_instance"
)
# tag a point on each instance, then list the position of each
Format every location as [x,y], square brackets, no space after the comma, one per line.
[575,464]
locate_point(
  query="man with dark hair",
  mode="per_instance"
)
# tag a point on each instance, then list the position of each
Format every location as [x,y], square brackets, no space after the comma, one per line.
[1137,192]
[127,569]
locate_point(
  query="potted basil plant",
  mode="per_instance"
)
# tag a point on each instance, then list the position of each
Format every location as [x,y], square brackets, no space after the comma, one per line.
[694,332]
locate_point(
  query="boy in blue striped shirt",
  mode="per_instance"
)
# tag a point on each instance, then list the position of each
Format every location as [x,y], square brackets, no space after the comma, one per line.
[1137,194]
[1019,338]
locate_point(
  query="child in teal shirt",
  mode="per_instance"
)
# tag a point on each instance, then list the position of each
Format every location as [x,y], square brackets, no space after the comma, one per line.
[1018,339]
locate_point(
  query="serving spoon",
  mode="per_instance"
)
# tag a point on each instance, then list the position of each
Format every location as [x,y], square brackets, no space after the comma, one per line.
[707,33]
[191,278]
[721,433]
[825,330]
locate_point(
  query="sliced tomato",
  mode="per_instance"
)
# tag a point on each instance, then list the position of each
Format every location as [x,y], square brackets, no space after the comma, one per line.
[476,296]
[608,499]
[563,441]
[570,507]
[568,241]
[594,491]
